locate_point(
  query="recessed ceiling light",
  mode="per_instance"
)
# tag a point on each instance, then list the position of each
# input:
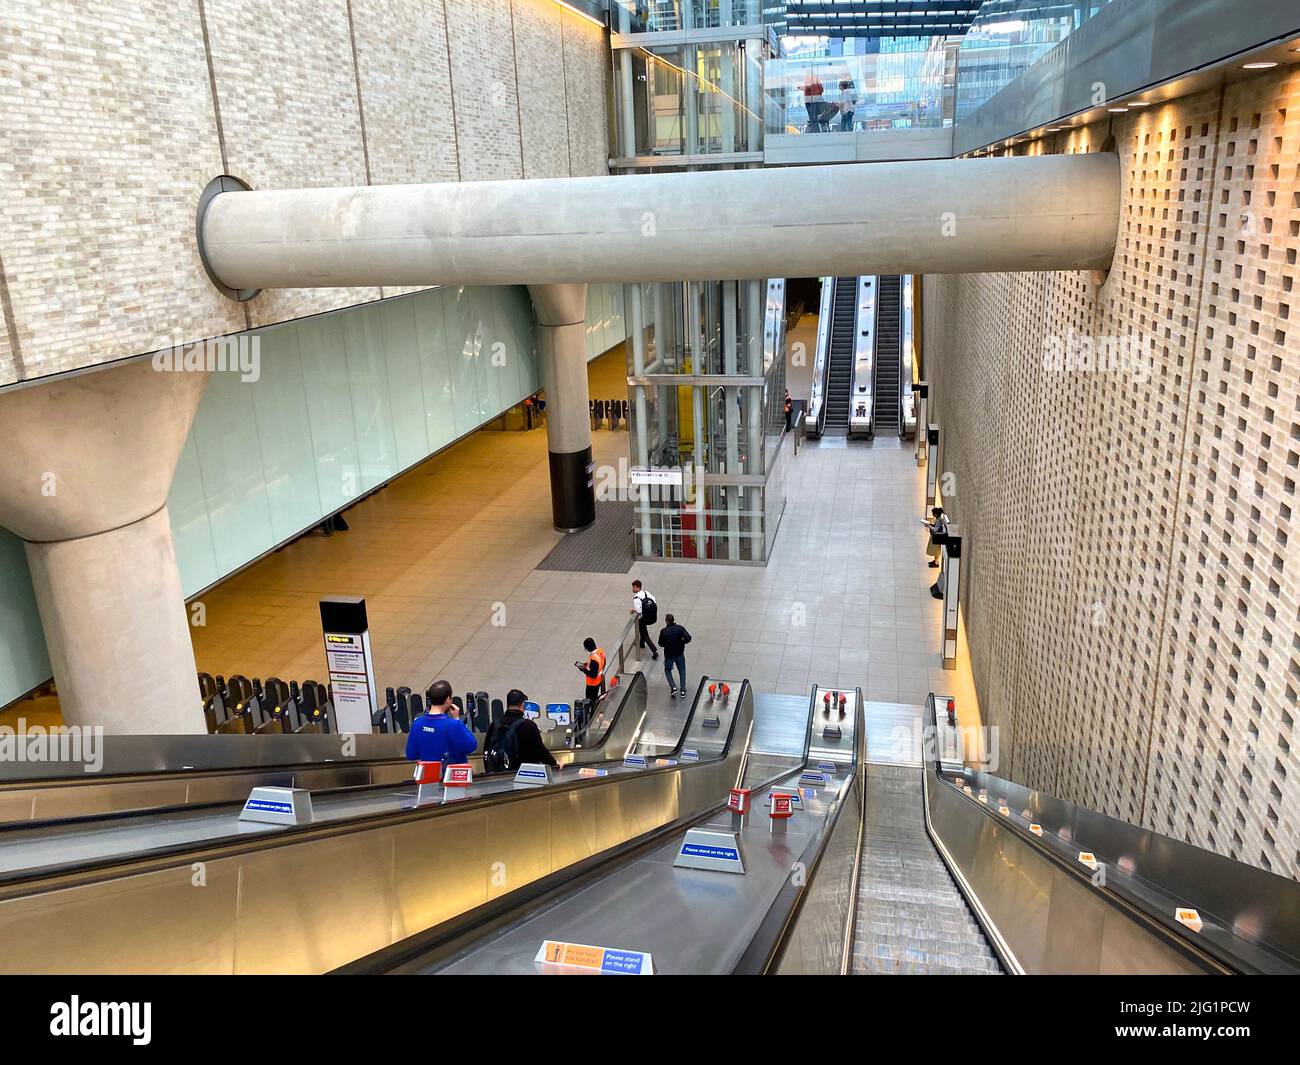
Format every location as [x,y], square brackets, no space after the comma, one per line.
[1054,129]
[1118,110]
[1263,64]
[1140,103]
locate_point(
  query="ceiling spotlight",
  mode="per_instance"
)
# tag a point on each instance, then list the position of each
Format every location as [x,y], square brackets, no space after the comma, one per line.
[1263,64]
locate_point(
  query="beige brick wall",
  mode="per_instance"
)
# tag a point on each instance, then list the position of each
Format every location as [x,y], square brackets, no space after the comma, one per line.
[8,369]
[107,136]
[539,53]
[110,132]
[485,90]
[288,96]
[1133,600]
[586,75]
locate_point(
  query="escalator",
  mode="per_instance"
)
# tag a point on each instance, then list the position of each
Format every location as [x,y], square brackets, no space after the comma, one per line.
[958,871]
[117,893]
[886,403]
[911,916]
[691,920]
[921,866]
[839,367]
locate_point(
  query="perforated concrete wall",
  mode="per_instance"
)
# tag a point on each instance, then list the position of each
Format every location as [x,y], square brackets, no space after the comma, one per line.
[1133,600]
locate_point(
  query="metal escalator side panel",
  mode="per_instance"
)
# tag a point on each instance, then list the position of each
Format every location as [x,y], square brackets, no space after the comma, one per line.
[625,722]
[406,873]
[1040,918]
[821,371]
[698,790]
[1041,910]
[65,799]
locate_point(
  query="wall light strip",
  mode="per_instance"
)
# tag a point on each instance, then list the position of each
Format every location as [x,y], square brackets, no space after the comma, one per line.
[580,13]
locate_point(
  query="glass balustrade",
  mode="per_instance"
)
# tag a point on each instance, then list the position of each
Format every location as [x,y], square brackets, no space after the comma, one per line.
[657,16]
[905,89]
[1008,37]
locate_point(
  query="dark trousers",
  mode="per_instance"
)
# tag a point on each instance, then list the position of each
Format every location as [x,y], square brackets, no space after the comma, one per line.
[646,640]
[592,692]
[680,662]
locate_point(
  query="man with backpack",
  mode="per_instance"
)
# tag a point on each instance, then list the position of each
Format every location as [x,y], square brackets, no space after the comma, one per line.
[437,736]
[514,740]
[673,639]
[647,613]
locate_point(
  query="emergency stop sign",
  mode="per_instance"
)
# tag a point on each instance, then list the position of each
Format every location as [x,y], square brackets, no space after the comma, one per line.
[738,800]
[458,776]
[782,805]
[428,772]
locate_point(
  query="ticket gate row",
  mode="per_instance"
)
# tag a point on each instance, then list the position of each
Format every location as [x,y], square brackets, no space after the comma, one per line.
[240,706]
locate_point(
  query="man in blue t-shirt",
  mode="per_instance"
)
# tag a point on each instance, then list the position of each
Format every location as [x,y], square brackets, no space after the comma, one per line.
[437,736]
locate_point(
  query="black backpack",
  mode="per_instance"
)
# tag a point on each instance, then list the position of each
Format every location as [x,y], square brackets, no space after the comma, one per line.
[649,609]
[501,751]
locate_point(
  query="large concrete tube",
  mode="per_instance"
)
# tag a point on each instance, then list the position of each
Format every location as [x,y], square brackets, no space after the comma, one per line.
[1056,212]
[562,336]
[89,463]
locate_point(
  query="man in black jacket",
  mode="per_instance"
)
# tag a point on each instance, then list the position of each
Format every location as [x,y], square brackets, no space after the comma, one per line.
[514,739]
[673,639]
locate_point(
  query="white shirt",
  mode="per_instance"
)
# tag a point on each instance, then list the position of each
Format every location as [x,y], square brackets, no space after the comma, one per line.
[638,600]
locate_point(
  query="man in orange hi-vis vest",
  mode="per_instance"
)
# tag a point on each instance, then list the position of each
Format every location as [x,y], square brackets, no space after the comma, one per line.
[593,669]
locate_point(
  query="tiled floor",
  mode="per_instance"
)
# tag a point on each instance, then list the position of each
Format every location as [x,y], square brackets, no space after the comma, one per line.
[445,557]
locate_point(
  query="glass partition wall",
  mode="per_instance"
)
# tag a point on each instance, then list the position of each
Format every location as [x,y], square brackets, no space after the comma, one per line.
[706,418]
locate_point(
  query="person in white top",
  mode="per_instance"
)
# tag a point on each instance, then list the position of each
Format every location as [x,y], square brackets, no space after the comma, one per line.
[647,613]
[848,104]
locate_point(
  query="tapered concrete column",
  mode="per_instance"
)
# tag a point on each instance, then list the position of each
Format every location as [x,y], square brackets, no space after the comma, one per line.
[561,319]
[89,462]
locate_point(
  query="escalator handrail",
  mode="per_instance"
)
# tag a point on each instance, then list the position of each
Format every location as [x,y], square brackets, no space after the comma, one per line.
[906,328]
[343,824]
[824,332]
[638,683]
[1223,952]
[860,782]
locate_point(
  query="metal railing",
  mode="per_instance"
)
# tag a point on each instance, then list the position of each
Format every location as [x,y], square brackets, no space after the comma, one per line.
[627,642]
[982,824]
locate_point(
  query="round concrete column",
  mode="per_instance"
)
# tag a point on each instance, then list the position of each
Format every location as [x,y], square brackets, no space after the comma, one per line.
[115,626]
[561,319]
[89,463]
